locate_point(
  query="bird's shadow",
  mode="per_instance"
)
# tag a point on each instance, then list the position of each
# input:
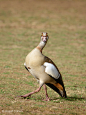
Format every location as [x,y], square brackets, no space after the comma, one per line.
[74,98]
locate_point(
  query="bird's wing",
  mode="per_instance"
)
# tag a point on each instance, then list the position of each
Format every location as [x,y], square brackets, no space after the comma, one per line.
[51,69]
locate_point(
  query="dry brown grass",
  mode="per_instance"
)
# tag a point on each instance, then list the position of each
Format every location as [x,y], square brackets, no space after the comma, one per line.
[21,24]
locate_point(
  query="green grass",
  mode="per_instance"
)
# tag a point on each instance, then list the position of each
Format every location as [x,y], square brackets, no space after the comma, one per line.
[21,25]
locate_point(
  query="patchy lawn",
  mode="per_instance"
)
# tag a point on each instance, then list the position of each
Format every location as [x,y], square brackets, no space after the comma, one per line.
[21,25]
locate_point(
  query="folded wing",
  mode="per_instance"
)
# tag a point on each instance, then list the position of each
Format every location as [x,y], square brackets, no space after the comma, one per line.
[52,70]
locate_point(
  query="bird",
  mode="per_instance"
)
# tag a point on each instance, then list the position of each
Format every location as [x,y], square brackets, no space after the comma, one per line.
[44,70]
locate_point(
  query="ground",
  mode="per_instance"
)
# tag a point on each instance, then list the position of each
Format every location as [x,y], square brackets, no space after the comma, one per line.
[21,25]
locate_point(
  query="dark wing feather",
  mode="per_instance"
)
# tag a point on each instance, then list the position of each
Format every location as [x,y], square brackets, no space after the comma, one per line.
[58,87]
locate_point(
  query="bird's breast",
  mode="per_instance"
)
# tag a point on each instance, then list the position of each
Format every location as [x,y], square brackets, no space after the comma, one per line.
[34,59]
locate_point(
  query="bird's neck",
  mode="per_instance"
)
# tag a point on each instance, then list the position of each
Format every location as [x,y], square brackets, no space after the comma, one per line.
[40,46]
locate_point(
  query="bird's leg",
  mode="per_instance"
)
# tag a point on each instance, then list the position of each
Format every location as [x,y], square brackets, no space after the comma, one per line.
[47,97]
[29,94]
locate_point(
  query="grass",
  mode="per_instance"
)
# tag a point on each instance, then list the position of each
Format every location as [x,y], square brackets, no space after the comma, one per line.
[21,24]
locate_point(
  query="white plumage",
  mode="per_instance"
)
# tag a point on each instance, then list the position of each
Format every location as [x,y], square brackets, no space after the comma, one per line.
[51,70]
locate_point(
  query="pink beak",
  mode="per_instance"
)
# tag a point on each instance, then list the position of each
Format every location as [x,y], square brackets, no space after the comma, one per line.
[44,39]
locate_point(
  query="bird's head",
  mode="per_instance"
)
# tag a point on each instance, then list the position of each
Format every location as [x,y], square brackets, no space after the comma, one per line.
[44,37]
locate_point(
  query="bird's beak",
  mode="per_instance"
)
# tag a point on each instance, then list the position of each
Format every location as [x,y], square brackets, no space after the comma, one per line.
[44,39]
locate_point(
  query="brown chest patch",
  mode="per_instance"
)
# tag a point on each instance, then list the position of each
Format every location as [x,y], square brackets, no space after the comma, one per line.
[29,68]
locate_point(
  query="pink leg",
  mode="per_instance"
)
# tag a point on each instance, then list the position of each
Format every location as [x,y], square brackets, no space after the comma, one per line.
[29,94]
[47,98]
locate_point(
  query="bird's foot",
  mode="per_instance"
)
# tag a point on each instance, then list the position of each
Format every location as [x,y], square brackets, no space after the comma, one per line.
[47,99]
[24,96]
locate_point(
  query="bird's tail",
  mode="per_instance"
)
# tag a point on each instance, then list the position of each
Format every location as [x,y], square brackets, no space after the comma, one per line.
[58,87]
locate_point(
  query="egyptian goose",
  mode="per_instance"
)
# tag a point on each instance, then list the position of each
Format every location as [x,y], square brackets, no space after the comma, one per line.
[44,70]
